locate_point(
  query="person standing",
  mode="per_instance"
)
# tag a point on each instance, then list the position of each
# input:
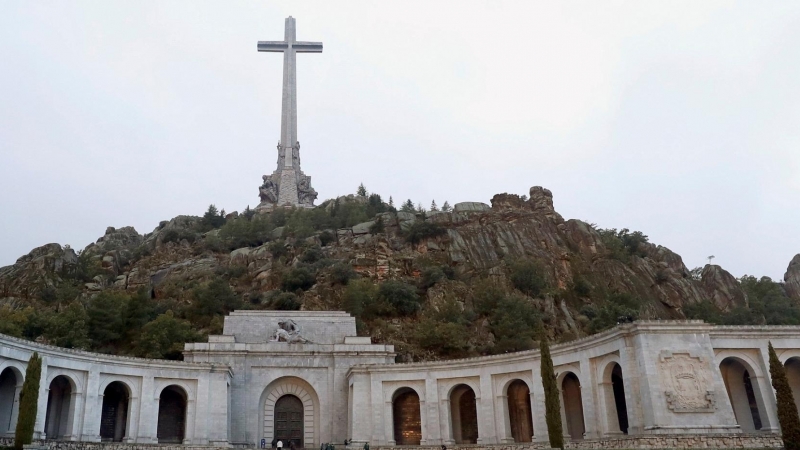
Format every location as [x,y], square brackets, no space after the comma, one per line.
[280,445]
[274,443]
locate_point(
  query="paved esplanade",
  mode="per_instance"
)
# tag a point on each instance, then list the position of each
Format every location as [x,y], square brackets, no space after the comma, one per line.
[288,185]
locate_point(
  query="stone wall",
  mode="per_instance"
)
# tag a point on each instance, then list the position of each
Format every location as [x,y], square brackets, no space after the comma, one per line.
[639,442]
[73,445]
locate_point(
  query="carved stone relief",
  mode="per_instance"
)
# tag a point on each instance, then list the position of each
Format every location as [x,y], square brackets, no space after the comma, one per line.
[685,379]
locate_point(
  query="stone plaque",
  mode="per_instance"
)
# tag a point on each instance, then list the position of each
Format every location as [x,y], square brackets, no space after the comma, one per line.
[686,382]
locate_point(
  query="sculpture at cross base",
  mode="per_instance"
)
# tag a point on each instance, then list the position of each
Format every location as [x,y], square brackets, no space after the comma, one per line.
[288,185]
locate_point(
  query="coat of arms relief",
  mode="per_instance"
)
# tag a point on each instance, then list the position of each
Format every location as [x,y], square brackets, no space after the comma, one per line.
[686,382]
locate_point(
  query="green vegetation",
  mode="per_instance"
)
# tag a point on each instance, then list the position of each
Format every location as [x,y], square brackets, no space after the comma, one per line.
[787,410]
[552,403]
[623,244]
[617,308]
[420,230]
[212,219]
[401,296]
[768,305]
[28,401]
[163,338]
[528,276]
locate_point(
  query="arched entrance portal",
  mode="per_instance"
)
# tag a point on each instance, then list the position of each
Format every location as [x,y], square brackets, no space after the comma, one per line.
[573,406]
[10,384]
[616,409]
[793,374]
[519,411]
[464,415]
[172,415]
[407,418]
[742,390]
[58,419]
[289,421]
[114,416]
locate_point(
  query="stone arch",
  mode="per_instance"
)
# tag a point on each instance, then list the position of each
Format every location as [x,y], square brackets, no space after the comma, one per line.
[613,388]
[11,379]
[173,401]
[742,385]
[305,393]
[406,416]
[463,414]
[520,415]
[792,365]
[572,405]
[115,411]
[61,402]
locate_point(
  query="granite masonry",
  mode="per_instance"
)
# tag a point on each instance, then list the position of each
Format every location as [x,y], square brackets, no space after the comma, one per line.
[307,377]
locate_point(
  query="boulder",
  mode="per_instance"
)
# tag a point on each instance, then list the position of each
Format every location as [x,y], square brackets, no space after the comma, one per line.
[362,228]
[508,201]
[722,288]
[792,278]
[471,207]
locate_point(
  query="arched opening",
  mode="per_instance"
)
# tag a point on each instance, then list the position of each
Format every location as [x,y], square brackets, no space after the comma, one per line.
[519,411]
[407,417]
[9,400]
[59,407]
[616,409]
[289,421]
[741,390]
[793,374]
[114,416]
[573,406]
[464,415]
[172,415]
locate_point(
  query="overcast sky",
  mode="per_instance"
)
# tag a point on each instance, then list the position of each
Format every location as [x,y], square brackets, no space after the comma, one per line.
[679,119]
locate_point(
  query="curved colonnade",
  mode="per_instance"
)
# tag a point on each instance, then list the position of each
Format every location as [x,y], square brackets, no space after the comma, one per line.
[639,379]
[92,397]
[645,378]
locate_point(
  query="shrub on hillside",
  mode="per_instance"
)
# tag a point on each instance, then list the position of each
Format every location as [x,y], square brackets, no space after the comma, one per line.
[298,278]
[514,323]
[342,273]
[528,276]
[420,230]
[285,301]
[403,297]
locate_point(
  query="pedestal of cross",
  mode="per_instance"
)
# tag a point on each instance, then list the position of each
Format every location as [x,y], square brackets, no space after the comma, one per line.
[288,185]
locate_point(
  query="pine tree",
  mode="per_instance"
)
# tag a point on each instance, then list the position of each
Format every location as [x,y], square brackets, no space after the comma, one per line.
[420,209]
[433,206]
[446,206]
[28,401]
[408,206]
[787,410]
[552,404]
[362,191]
[391,202]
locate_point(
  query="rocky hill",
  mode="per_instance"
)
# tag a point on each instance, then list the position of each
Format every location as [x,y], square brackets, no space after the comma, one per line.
[477,279]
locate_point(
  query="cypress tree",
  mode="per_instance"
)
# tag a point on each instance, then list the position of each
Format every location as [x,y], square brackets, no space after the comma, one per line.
[28,400]
[787,410]
[552,404]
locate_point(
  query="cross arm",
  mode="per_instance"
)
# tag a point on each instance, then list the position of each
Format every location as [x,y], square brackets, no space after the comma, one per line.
[272,46]
[307,47]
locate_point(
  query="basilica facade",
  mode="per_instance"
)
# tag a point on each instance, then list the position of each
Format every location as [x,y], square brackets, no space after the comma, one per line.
[306,377]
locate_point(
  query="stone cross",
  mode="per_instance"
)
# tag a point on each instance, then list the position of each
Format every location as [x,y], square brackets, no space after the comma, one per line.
[293,187]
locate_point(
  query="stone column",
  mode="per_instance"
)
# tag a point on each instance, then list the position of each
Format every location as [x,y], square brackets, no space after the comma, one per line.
[432,411]
[388,426]
[41,411]
[765,394]
[485,404]
[361,410]
[381,415]
[540,433]
[132,430]
[93,409]
[446,421]
[630,378]
[191,408]
[501,418]
[77,409]
[589,399]
[148,413]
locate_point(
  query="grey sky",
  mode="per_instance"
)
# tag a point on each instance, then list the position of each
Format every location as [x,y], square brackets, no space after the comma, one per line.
[679,119]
